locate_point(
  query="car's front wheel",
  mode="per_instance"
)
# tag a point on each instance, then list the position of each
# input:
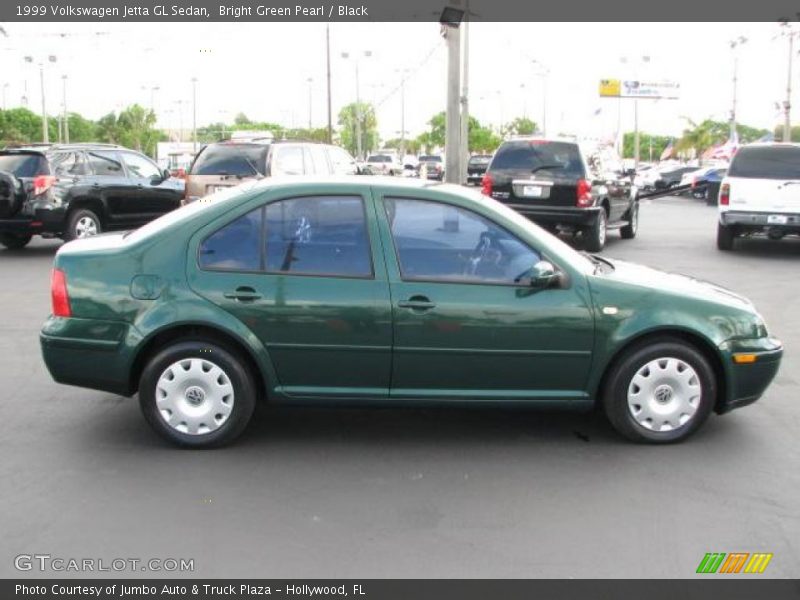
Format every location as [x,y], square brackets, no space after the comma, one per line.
[198,394]
[628,232]
[659,392]
[725,237]
[14,241]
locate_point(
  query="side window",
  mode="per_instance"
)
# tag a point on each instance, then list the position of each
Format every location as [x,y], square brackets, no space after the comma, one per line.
[105,163]
[343,163]
[318,236]
[289,161]
[235,247]
[441,242]
[318,159]
[69,164]
[140,167]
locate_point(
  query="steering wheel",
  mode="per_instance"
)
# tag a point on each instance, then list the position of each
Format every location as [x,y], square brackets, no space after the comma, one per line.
[487,251]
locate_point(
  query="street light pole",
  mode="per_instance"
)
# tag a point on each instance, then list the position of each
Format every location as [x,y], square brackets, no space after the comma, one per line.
[194,115]
[452,147]
[787,105]
[734,45]
[464,134]
[328,60]
[45,125]
[358,115]
[65,118]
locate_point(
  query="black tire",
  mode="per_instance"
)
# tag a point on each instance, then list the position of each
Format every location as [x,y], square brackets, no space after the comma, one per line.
[620,380]
[725,237]
[628,232]
[75,218]
[233,367]
[14,241]
[598,232]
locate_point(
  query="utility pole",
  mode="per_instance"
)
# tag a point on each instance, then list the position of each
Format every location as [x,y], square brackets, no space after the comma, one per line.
[464,152]
[45,125]
[328,60]
[734,45]
[452,147]
[65,118]
[358,115]
[402,116]
[787,105]
[194,115]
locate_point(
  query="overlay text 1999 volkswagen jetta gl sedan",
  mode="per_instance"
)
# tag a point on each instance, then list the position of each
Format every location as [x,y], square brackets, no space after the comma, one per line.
[367,290]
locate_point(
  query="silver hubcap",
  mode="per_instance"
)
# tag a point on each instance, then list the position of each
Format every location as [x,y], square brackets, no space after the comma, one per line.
[85,227]
[635,219]
[602,227]
[664,394]
[194,396]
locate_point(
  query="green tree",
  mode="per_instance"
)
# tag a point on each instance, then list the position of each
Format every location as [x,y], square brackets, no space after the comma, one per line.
[80,128]
[20,125]
[369,127]
[659,143]
[708,133]
[521,126]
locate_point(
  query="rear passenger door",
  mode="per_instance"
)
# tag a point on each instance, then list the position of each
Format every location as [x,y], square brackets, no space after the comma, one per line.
[306,275]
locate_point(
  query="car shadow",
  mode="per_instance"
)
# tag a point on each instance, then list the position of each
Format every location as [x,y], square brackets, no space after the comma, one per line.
[787,248]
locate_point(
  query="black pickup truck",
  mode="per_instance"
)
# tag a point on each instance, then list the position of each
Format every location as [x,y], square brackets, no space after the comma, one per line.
[79,190]
[551,183]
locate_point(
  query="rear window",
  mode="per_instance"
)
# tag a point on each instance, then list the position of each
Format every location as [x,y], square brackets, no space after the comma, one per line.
[430,159]
[237,160]
[479,160]
[769,162]
[558,157]
[24,165]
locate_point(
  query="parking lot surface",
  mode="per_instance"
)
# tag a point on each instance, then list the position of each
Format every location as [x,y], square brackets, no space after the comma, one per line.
[409,493]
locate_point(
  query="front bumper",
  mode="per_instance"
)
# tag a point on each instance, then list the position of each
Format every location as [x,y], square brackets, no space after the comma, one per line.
[747,381]
[575,217]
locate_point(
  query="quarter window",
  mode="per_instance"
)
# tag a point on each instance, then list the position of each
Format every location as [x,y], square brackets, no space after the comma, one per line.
[436,241]
[235,247]
[318,236]
[68,164]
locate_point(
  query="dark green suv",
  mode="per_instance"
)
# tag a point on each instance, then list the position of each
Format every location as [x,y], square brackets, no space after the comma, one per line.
[389,292]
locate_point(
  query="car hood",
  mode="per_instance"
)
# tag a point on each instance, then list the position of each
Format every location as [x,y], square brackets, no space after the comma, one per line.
[674,283]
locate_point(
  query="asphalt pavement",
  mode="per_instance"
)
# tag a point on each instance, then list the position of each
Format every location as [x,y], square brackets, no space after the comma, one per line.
[408,493]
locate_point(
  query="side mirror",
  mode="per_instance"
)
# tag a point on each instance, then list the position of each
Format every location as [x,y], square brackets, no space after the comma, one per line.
[543,275]
[156,179]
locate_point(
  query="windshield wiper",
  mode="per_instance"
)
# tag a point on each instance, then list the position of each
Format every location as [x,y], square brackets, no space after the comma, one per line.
[540,167]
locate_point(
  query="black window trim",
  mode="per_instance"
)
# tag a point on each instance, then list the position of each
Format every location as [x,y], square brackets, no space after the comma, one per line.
[263,234]
[114,151]
[408,279]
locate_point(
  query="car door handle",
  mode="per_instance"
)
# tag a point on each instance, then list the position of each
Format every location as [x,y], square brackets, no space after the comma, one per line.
[417,303]
[243,294]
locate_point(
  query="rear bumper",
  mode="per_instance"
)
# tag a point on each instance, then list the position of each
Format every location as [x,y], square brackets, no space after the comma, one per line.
[577,217]
[44,221]
[747,382]
[88,353]
[759,219]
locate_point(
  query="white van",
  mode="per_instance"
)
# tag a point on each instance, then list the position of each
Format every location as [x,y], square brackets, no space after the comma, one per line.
[760,194]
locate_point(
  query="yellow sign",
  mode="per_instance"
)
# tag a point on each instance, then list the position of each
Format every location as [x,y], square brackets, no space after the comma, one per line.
[610,88]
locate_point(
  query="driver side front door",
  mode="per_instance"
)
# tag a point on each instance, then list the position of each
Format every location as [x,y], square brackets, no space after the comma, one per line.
[463,328]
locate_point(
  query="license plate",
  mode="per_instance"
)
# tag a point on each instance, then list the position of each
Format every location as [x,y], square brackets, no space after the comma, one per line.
[532,191]
[776,219]
[213,189]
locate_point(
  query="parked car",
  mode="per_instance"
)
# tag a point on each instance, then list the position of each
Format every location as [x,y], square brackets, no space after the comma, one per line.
[79,190]
[390,292]
[760,195]
[227,164]
[672,178]
[431,166]
[384,164]
[549,182]
[476,167]
[705,183]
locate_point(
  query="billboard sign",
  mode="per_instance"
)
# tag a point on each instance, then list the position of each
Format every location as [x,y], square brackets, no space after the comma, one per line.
[629,88]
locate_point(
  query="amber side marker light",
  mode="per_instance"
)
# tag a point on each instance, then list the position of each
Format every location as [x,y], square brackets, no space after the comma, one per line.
[744,359]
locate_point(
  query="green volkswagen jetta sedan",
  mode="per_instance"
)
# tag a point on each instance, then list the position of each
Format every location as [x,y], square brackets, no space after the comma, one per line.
[364,290]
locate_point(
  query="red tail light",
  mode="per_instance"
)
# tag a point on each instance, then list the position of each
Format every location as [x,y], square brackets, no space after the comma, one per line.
[694,182]
[725,194]
[486,184]
[58,293]
[584,194]
[42,183]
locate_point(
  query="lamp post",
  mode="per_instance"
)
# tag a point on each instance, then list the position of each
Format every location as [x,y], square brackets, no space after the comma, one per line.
[310,81]
[644,59]
[65,118]
[358,116]
[194,115]
[544,73]
[735,44]
[450,20]
[45,126]
[787,104]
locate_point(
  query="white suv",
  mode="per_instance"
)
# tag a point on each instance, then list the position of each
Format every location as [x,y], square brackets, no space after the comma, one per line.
[760,194]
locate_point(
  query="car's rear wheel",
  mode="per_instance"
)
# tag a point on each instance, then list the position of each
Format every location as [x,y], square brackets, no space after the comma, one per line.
[198,394]
[82,223]
[628,232]
[725,237]
[659,392]
[596,234]
[14,241]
